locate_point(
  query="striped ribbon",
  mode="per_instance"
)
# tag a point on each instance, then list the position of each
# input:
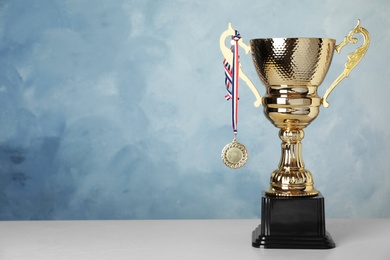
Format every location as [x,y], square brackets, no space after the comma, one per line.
[231,80]
[228,79]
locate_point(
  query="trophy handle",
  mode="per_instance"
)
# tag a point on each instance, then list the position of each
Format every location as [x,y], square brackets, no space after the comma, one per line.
[353,58]
[228,55]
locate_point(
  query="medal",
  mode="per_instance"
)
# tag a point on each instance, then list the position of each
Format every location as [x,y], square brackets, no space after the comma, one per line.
[234,155]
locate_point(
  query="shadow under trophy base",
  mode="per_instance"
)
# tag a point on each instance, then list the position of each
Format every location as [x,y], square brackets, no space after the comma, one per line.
[292,211]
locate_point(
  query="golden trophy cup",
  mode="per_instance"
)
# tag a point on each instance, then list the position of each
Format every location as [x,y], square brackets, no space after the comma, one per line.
[292,69]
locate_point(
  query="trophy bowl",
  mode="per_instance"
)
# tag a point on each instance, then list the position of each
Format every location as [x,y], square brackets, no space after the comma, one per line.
[292,69]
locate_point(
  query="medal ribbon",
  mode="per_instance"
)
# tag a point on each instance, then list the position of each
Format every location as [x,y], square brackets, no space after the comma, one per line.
[231,79]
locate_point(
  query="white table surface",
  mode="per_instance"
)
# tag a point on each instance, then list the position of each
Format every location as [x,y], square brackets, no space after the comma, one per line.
[179,239]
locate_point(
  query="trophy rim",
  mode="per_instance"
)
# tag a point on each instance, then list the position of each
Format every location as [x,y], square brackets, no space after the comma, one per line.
[299,38]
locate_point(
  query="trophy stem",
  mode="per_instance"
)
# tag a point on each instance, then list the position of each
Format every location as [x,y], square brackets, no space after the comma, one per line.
[291,178]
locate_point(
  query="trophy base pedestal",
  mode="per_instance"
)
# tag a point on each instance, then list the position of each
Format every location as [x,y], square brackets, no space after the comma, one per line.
[292,222]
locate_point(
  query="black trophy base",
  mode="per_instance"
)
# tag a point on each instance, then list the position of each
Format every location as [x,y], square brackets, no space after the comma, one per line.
[292,222]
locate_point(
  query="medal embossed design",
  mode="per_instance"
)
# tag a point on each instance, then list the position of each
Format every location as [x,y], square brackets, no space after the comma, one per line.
[234,155]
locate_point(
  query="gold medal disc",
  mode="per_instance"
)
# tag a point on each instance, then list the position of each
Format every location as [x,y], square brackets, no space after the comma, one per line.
[234,155]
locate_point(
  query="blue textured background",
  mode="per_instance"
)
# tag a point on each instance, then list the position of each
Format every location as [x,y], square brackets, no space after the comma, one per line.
[116,110]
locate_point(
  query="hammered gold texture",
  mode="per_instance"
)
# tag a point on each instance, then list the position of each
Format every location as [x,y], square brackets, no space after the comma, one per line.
[292,61]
